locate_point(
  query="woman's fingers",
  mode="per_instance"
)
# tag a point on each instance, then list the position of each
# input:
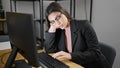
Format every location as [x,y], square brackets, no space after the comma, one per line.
[62,54]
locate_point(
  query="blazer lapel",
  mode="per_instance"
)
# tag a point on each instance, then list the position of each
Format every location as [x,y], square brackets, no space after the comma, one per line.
[73,32]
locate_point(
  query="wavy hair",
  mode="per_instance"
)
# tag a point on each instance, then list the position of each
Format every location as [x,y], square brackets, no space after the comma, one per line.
[56,7]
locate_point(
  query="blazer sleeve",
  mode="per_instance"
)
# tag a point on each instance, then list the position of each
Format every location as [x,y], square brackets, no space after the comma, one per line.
[91,41]
[50,42]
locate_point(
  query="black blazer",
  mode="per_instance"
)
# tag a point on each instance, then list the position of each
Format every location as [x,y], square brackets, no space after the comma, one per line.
[84,40]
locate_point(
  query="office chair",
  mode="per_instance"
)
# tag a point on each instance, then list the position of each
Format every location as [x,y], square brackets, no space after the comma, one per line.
[109,52]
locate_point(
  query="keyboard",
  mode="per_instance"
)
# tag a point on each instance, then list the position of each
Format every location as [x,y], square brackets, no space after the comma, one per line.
[48,61]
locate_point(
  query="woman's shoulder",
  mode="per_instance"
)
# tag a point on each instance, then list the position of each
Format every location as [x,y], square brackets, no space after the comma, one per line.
[80,23]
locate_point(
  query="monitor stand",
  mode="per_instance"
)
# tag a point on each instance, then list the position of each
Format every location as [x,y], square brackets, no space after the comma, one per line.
[17,63]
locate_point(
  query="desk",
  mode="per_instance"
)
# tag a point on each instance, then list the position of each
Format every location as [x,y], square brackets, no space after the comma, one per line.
[19,57]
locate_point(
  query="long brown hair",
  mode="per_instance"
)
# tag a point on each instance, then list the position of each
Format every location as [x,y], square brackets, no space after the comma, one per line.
[56,7]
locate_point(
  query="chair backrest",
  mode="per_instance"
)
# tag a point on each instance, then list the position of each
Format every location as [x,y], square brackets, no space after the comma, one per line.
[109,52]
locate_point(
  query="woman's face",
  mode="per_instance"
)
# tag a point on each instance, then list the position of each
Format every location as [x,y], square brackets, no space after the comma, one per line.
[58,20]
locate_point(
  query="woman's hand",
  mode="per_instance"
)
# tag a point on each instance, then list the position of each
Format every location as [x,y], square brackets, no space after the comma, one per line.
[54,26]
[62,54]
[52,29]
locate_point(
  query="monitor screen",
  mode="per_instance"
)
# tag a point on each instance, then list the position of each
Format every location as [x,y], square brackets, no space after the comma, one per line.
[22,35]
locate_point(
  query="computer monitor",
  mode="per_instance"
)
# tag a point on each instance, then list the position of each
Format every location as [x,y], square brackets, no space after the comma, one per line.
[22,37]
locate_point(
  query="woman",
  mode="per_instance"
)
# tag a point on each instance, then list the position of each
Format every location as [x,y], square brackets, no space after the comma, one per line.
[71,39]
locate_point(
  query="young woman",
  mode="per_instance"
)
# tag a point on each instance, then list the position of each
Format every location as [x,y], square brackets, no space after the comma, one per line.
[71,39]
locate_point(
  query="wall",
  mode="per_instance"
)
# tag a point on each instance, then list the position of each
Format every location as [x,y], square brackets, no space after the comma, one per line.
[106,21]
[27,7]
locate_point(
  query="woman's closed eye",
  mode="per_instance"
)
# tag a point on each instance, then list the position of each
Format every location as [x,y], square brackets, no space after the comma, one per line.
[57,18]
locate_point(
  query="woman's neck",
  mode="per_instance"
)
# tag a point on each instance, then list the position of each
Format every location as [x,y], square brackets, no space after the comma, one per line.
[67,28]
